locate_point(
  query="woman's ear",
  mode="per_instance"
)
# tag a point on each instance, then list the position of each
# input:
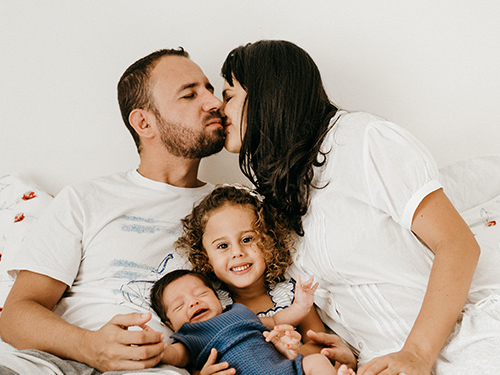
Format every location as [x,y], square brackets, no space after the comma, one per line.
[140,120]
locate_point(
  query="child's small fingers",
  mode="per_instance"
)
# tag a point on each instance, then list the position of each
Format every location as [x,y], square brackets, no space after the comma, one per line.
[283,327]
[294,334]
[271,335]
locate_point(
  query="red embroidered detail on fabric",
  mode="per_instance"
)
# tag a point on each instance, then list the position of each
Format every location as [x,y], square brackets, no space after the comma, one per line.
[29,195]
[491,223]
[18,218]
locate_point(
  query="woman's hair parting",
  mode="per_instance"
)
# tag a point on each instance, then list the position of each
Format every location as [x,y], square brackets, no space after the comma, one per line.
[275,239]
[288,114]
[156,294]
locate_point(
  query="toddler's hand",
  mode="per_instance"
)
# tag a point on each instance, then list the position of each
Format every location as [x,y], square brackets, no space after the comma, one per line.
[285,339]
[304,293]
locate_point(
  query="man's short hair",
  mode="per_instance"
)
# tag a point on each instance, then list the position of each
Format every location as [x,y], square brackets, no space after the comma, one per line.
[134,86]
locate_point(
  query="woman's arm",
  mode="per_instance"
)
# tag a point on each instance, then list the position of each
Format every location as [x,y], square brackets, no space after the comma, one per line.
[439,226]
[311,322]
[341,353]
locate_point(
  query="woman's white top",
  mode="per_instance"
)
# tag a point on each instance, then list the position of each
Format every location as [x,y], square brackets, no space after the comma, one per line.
[358,243]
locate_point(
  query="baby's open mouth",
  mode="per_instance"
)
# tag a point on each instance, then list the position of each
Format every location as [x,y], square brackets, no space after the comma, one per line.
[199,312]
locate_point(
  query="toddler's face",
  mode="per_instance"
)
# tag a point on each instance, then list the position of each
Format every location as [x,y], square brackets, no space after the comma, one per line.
[233,248]
[189,300]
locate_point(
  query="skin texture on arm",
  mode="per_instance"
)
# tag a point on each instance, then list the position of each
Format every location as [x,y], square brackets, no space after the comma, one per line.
[28,323]
[335,349]
[437,224]
[301,306]
[311,322]
[176,354]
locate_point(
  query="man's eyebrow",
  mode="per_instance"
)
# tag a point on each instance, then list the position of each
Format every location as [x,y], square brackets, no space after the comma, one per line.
[187,86]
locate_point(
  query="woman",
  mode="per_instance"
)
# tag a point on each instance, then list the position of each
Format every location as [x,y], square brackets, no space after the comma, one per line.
[394,259]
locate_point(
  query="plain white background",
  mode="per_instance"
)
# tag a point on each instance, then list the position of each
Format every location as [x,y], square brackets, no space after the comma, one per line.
[431,66]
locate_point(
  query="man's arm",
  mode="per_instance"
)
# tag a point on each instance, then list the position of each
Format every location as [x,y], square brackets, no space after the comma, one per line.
[27,322]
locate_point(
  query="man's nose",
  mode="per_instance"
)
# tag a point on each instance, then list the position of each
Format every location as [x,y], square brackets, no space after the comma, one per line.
[212,103]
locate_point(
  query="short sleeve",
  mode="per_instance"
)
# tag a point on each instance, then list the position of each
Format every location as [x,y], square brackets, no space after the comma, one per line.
[399,171]
[53,247]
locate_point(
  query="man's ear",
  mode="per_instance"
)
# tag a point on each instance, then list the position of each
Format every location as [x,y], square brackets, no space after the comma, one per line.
[140,120]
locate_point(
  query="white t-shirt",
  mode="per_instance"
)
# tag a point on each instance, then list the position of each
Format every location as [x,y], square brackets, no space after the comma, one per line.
[109,239]
[372,270]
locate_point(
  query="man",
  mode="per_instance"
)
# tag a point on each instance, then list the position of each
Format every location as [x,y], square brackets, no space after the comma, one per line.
[83,275]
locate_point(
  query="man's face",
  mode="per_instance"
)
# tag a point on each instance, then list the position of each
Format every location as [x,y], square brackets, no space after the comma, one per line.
[187,112]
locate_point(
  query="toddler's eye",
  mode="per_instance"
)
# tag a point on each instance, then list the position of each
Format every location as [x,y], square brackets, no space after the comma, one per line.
[247,239]
[222,246]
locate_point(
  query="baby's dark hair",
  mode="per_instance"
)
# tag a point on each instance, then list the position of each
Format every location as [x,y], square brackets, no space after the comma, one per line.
[159,287]
[275,240]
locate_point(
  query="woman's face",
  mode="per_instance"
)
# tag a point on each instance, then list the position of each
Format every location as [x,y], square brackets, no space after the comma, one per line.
[233,98]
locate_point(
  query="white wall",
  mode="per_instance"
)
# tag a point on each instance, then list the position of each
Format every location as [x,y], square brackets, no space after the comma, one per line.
[430,66]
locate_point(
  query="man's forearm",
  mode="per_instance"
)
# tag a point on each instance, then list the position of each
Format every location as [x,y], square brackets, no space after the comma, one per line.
[28,325]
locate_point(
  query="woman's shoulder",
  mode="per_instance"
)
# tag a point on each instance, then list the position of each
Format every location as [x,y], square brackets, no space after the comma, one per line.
[361,127]
[359,121]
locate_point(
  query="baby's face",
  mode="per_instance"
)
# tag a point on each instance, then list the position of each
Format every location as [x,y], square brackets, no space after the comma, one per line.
[189,300]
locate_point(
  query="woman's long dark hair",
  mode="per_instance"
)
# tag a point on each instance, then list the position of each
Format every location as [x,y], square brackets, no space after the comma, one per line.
[287,117]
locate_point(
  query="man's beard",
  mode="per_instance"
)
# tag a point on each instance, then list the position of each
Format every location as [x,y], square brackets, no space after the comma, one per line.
[188,143]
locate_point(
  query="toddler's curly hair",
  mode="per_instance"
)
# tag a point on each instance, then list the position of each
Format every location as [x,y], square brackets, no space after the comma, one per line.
[275,240]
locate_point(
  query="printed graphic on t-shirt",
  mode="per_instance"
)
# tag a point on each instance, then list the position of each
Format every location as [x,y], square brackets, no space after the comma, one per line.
[141,278]
[147,225]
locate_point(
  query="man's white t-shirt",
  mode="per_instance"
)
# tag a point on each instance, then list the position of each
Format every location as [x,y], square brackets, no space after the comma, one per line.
[109,239]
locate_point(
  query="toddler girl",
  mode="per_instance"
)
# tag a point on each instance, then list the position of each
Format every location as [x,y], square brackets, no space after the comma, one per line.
[233,237]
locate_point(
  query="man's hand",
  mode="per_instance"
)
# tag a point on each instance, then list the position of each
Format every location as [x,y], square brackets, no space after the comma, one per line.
[335,349]
[113,347]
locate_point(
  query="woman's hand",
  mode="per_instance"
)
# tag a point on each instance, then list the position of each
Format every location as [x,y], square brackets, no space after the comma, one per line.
[212,368]
[403,362]
[336,350]
[285,339]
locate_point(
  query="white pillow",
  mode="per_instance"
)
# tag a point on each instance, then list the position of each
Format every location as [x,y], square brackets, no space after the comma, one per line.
[21,202]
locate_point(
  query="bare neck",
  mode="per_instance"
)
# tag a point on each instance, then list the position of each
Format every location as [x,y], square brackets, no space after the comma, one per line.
[172,170]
